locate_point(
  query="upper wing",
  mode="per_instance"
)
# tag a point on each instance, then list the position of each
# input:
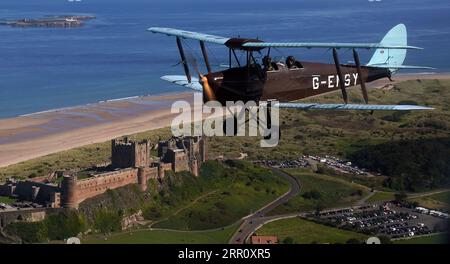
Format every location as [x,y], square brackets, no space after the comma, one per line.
[189,35]
[325,45]
[251,44]
[307,106]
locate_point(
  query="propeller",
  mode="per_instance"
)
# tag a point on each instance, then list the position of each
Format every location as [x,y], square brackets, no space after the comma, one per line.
[363,82]
[208,92]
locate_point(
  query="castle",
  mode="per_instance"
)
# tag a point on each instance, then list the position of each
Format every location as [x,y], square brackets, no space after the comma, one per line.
[131,163]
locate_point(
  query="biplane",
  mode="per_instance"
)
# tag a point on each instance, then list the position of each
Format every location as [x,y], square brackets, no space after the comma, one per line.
[291,79]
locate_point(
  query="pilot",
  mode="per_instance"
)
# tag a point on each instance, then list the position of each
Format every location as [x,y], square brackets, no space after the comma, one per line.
[290,62]
[267,62]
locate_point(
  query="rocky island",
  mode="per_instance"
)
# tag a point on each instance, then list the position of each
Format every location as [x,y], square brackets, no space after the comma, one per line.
[54,21]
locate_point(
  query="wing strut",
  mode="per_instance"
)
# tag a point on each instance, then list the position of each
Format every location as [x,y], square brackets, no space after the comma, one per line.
[362,81]
[339,72]
[183,60]
[205,56]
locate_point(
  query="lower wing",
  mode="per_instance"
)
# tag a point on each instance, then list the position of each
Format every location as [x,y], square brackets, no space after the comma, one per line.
[182,81]
[195,85]
[314,106]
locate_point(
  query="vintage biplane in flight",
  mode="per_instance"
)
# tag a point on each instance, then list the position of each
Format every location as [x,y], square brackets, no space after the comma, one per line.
[291,79]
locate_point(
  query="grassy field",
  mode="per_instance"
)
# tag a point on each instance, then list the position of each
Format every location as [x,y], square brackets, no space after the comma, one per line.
[223,193]
[382,196]
[443,197]
[228,203]
[307,232]
[333,192]
[432,239]
[7,200]
[439,201]
[165,237]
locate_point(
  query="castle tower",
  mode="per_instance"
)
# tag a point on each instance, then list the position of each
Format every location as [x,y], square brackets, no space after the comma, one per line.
[142,179]
[69,192]
[160,170]
[203,149]
[141,153]
[126,153]
[34,192]
[194,167]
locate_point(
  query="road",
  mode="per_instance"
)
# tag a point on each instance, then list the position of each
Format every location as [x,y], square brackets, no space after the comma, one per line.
[417,195]
[253,221]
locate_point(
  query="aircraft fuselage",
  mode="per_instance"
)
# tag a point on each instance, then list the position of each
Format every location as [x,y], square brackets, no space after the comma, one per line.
[286,84]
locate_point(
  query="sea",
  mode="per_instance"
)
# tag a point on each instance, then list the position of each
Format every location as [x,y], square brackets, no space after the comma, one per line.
[114,56]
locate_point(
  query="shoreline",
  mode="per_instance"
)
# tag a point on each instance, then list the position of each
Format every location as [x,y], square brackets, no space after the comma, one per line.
[401,77]
[96,103]
[42,133]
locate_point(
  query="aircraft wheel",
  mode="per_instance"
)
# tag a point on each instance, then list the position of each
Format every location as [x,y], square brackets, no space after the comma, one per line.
[270,135]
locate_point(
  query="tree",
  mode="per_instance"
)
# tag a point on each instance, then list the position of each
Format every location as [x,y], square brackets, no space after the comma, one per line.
[319,208]
[401,196]
[385,240]
[312,195]
[64,225]
[29,232]
[353,241]
[288,240]
[107,221]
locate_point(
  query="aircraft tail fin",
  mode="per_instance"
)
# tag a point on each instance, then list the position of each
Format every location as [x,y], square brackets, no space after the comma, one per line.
[391,58]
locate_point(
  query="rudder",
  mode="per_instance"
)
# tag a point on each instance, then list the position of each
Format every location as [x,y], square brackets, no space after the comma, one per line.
[391,57]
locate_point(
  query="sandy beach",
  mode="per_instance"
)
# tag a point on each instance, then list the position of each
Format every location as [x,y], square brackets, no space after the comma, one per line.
[30,136]
[34,135]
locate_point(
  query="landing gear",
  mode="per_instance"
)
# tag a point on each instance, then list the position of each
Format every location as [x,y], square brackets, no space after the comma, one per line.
[269,123]
[230,124]
[228,131]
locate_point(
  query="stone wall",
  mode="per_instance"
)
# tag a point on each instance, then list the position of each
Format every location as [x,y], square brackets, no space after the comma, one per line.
[38,192]
[24,215]
[90,187]
[76,191]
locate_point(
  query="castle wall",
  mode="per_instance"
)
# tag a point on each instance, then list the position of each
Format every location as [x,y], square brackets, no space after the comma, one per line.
[7,189]
[166,166]
[94,186]
[179,160]
[35,191]
[27,215]
[149,173]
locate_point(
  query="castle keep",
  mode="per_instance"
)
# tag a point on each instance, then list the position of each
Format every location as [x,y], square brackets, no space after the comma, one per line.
[131,163]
